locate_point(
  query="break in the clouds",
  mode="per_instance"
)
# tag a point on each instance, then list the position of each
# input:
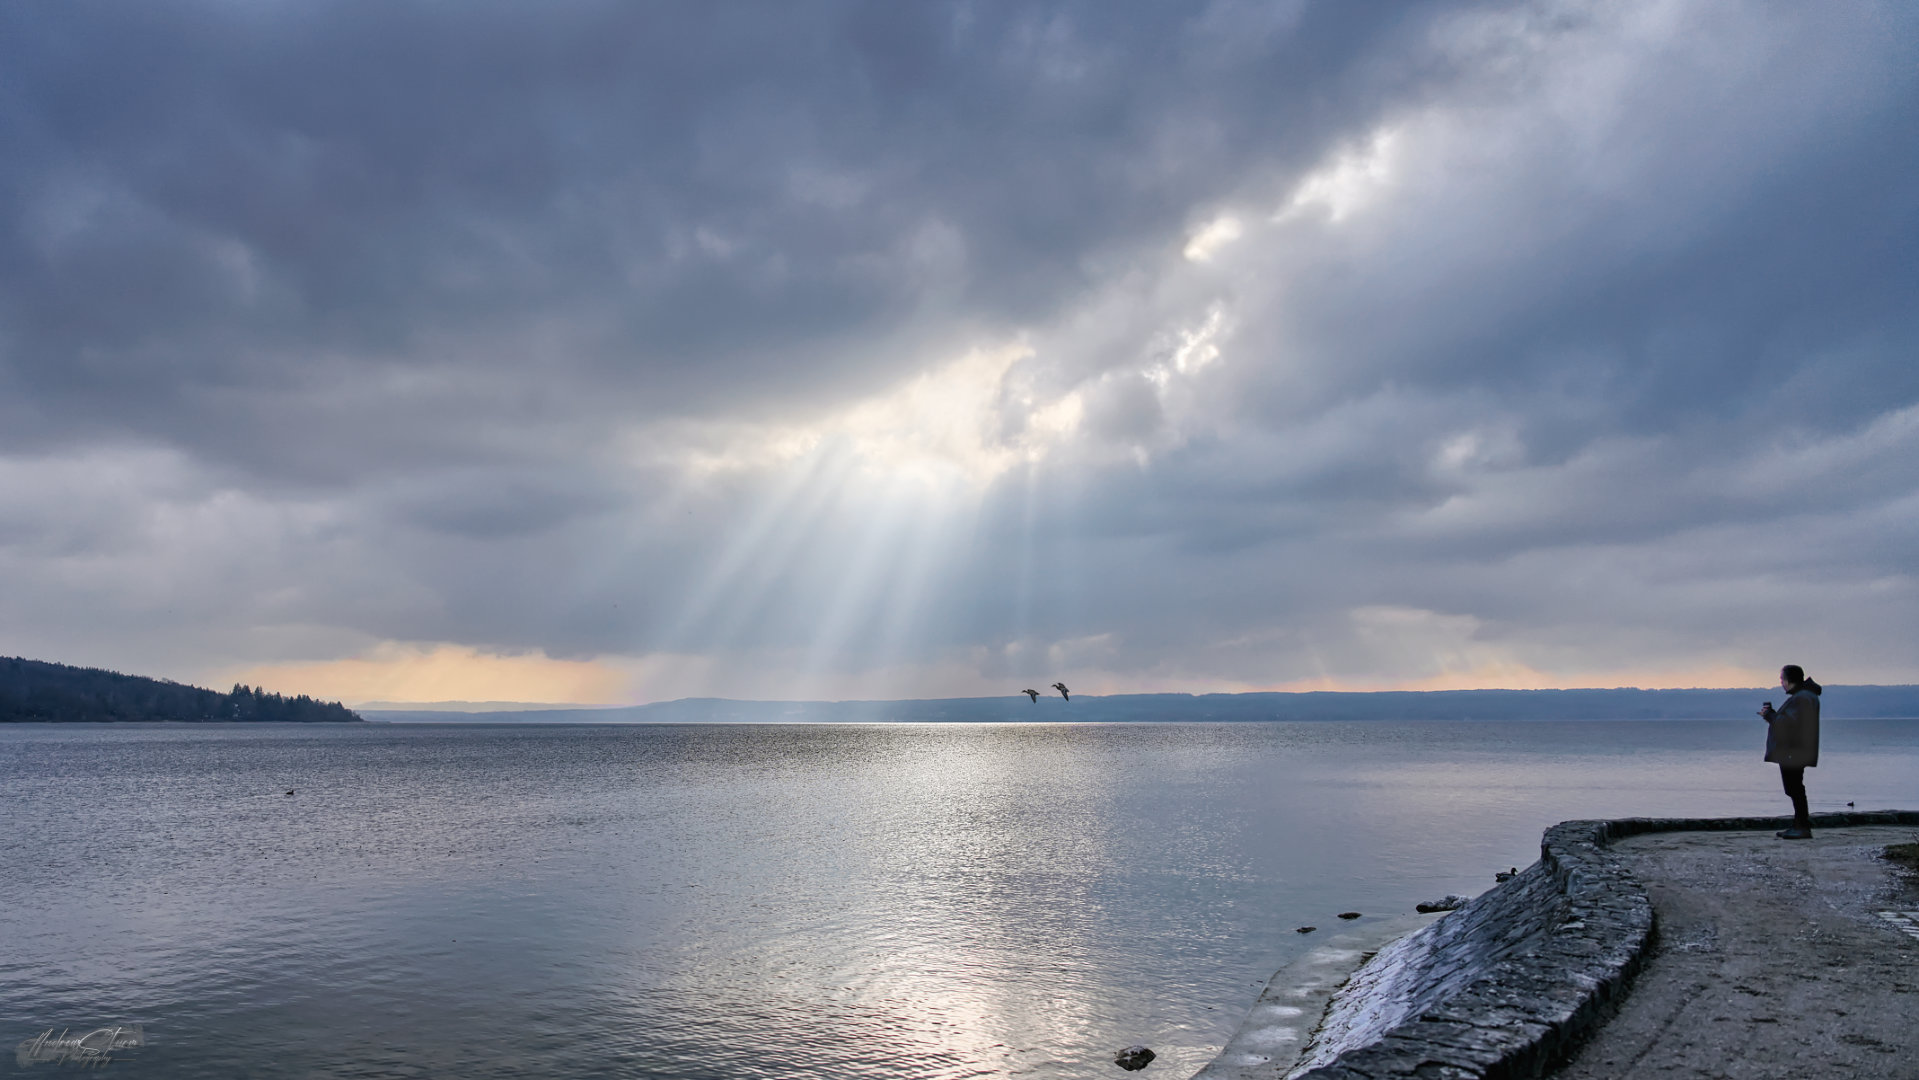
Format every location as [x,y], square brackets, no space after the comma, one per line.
[588,351]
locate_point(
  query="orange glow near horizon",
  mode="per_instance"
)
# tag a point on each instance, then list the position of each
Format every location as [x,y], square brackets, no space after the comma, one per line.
[399,672]
[1519,677]
[417,673]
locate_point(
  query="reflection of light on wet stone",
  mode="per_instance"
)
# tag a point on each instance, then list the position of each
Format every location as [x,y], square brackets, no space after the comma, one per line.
[1280,1024]
[1421,969]
[1906,921]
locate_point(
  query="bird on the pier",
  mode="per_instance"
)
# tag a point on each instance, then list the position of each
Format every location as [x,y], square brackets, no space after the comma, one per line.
[1063,692]
[1034,694]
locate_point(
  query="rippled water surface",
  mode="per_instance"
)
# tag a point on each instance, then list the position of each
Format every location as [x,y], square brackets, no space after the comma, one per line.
[921,901]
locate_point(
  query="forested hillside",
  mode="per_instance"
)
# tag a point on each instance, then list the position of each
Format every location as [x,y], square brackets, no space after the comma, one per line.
[37,691]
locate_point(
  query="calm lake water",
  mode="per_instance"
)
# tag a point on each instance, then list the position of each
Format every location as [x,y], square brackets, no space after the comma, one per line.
[923,901]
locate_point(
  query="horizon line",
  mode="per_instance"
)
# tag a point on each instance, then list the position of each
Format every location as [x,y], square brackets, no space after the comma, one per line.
[533,706]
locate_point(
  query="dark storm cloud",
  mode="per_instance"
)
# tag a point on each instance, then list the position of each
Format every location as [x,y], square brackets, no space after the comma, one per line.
[216,212]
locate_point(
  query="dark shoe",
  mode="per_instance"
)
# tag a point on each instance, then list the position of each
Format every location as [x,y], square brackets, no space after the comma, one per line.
[1794,833]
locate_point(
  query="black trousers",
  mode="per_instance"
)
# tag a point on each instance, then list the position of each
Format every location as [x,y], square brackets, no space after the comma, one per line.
[1794,778]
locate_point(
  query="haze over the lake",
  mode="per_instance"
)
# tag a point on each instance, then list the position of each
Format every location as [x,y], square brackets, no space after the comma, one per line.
[589,352]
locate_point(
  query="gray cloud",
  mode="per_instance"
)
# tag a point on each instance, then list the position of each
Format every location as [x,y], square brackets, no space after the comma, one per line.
[1360,343]
[662,208]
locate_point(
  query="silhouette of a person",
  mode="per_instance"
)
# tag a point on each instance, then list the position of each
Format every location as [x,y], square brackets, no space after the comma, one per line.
[1792,740]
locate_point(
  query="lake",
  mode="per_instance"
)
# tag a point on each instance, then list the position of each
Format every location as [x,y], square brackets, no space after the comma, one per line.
[723,901]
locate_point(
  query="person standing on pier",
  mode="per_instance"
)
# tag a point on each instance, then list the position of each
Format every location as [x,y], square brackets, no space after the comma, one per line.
[1792,740]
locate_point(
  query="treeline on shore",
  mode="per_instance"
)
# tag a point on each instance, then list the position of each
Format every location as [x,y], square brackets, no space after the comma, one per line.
[35,691]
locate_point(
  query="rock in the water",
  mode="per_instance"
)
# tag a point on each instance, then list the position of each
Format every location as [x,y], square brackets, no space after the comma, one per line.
[1450,903]
[1349,914]
[1304,929]
[1133,1058]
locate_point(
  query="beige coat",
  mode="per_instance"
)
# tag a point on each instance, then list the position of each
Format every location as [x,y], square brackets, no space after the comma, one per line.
[1792,735]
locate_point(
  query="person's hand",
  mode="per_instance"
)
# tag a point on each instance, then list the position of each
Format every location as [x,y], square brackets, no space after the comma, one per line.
[1766,711]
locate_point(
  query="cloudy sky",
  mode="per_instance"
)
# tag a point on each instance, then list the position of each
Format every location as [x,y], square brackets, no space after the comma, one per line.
[601,352]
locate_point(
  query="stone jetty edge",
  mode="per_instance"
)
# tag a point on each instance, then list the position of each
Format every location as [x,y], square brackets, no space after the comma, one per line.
[1534,1006]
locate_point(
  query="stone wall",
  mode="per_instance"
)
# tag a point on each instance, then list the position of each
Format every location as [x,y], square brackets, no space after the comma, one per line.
[1509,984]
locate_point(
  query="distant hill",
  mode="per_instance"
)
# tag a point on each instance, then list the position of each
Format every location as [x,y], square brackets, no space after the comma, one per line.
[34,691]
[475,706]
[1840,702]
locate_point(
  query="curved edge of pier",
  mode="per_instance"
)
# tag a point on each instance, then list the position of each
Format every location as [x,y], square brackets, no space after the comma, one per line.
[1511,983]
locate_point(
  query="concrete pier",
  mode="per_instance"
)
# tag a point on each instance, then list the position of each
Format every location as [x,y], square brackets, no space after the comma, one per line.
[1772,960]
[1523,979]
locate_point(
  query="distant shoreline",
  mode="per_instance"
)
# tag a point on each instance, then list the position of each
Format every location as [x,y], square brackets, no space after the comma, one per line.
[1840,703]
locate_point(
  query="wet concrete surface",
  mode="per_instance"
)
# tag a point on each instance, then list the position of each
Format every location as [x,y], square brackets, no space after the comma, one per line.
[1772,959]
[1277,1031]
